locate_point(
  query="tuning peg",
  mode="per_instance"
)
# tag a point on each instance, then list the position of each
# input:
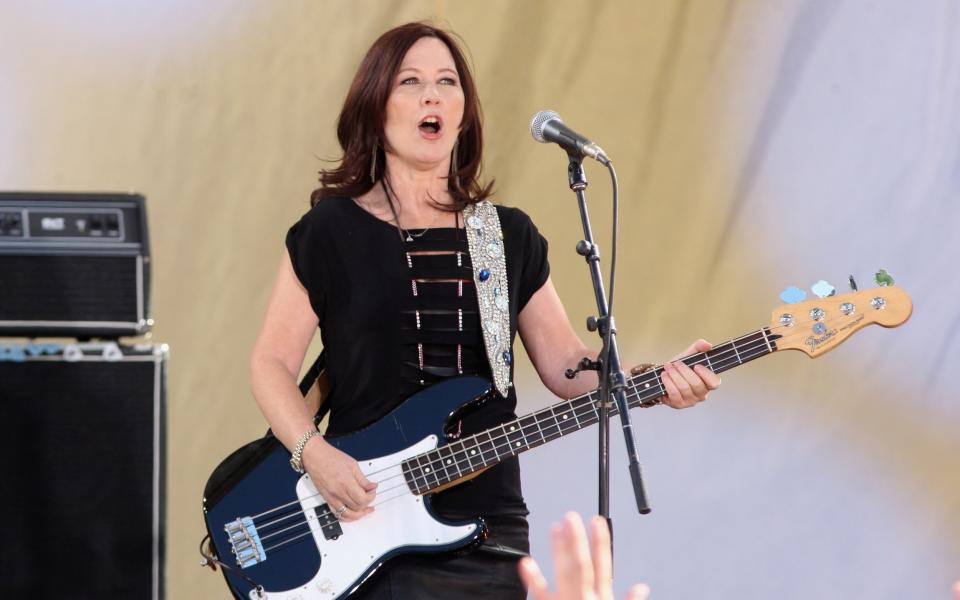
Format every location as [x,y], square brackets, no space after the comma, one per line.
[853,283]
[823,289]
[883,278]
[792,295]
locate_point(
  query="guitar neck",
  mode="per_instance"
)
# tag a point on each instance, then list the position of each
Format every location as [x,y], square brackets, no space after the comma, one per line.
[458,460]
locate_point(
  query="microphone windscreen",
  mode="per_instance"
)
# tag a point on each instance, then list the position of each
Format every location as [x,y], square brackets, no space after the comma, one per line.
[539,120]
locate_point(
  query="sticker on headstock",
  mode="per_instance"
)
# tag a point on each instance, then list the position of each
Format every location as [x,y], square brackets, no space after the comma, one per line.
[823,289]
[883,278]
[792,295]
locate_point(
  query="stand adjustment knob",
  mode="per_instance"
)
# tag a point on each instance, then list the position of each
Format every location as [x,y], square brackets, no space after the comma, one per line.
[592,323]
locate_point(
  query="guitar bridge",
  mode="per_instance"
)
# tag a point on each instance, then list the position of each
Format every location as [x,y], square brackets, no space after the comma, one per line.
[245,542]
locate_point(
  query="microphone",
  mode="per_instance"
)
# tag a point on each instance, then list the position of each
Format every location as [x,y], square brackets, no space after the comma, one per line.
[547,126]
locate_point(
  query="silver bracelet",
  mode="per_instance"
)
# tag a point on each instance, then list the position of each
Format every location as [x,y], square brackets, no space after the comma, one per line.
[296,459]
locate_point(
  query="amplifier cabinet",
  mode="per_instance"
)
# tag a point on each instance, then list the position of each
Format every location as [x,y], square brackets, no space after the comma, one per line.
[74,265]
[82,470]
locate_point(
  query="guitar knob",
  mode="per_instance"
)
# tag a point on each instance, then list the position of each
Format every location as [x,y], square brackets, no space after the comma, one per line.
[792,295]
[823,289]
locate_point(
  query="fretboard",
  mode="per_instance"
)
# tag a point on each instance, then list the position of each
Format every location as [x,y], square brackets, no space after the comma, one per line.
[461,458]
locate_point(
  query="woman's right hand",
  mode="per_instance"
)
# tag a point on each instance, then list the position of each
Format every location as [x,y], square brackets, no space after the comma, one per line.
[338,478]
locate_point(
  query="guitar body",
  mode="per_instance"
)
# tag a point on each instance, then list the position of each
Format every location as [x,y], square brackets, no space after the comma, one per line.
[298,549]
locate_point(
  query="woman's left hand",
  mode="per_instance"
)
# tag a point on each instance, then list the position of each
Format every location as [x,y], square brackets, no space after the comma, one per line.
[685,386]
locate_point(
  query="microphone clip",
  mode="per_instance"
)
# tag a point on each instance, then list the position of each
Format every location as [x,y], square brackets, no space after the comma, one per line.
[585,364]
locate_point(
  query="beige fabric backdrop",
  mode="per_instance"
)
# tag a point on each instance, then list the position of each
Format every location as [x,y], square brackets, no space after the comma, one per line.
[759,144]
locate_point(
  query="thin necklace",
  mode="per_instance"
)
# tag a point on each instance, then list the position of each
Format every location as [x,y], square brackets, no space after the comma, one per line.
[416,236]
[405,234]
[411,237]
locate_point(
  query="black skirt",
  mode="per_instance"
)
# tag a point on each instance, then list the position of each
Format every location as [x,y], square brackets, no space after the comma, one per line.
[486,572]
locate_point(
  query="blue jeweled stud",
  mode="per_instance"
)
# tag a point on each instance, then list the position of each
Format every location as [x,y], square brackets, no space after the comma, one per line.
[819,328]
[484,274]
[507,358]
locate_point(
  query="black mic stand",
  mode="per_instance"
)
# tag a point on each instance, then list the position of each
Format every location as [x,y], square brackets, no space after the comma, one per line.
[612,381]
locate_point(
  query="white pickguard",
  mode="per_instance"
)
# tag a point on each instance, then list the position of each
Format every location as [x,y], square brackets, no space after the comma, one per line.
[400,519]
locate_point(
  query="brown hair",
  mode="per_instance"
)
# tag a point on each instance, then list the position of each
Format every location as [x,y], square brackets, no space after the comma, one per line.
[360,126]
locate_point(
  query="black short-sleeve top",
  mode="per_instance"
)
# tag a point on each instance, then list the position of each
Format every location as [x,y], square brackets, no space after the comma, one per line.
[399,313]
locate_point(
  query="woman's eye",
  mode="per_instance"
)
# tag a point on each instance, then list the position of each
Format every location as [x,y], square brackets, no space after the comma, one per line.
[409,81]
[448,81]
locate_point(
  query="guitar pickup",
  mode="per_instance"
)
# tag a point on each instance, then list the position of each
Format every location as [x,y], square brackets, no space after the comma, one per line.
[245,542]
[329,523]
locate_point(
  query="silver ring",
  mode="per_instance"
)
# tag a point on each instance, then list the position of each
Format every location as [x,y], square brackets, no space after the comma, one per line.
[341,510]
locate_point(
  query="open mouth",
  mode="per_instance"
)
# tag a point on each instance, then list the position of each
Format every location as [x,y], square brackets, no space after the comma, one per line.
[431,125]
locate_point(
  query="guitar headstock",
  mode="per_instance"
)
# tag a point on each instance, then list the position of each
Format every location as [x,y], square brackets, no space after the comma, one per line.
[820,325]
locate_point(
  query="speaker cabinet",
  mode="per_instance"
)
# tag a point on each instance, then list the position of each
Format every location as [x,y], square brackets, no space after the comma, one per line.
[74,265]
[82,470]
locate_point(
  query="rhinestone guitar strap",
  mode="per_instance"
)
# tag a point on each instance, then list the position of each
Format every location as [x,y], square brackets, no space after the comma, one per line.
[485,239]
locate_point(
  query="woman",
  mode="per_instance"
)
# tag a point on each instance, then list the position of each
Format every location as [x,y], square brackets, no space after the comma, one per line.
[382,265]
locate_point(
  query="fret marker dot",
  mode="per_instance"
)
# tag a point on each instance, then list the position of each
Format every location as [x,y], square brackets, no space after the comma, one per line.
[512,428]
[449,461]
[646,386]
[473,452]
[564,416]
[427,470]
[518,444]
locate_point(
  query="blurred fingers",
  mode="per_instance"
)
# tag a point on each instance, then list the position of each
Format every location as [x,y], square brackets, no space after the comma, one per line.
[640,591]
[600,553]
[571,556]
[533,579]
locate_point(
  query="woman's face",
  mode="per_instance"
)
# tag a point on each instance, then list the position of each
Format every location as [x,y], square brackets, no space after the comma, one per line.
[425,107]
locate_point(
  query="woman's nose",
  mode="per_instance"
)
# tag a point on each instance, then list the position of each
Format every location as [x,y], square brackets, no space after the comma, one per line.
[430,95]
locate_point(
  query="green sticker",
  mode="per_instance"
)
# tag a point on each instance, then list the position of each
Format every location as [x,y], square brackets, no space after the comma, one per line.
[883,278]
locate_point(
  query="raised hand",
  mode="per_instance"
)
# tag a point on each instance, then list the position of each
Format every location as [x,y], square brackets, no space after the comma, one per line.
[582,574]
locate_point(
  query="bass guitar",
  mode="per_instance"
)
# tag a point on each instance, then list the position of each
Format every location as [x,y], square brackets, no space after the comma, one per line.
[277,538]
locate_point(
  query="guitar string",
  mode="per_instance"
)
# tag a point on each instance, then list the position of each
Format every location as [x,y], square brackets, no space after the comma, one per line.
[760,343]
[380,494]
[583,409]
[753,352]
[718,357]
[757,349]
[584,399]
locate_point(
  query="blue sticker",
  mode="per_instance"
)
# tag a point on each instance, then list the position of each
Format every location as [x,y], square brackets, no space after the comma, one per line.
[793,294]
[823,289]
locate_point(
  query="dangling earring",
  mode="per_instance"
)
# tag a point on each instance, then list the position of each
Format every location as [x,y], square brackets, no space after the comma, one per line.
[454,167]
[373,164]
